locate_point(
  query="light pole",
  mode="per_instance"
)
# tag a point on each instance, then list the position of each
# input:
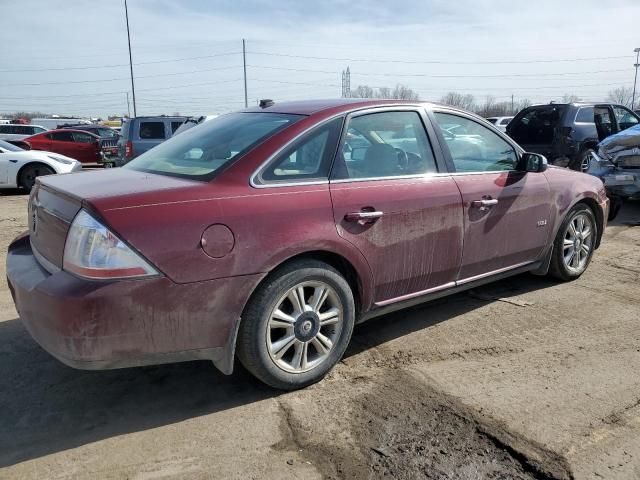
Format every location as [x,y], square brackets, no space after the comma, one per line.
[133,88]
[635,79]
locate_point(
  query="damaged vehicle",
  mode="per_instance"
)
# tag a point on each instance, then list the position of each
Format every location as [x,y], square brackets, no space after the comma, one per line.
[617,164]
[267,234]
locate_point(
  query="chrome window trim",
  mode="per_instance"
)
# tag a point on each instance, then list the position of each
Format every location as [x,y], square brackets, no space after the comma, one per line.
[284,183]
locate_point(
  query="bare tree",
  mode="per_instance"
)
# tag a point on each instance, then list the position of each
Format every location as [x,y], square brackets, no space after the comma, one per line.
[362,91]
[460,100]
[570,98]
[621,96]
[400,92]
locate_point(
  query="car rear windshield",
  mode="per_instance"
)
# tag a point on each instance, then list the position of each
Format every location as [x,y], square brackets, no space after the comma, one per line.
[200,152]
[536,125]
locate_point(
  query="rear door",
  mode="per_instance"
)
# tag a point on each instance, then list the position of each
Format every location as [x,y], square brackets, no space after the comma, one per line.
[506,212]
[538,129]
[86,147]
[391,202]
[62,142]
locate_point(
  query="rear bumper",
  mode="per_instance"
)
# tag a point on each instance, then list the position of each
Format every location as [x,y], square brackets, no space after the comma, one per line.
[104,325]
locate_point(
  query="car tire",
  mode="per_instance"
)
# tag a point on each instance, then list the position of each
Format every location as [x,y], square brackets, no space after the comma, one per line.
[573,247]
[29,173]
[286,344]
[582,163]
[109,165]
[615,204]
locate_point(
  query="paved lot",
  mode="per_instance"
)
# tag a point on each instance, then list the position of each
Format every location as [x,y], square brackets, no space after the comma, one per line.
[520,379]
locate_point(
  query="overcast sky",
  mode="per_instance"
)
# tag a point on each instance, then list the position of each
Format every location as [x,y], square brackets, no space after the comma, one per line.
[70,57]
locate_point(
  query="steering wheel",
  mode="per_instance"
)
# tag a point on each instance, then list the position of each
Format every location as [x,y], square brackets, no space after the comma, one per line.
[403,160]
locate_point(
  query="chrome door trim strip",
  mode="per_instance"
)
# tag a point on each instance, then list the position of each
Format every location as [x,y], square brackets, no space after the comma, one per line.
[414,295]
[493,272]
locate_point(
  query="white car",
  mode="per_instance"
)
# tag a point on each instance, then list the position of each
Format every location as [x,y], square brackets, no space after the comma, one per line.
[19,132]
[19,168]
[500,122]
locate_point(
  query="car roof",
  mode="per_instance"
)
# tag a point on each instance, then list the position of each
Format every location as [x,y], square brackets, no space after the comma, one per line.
[65,130]
[309,107]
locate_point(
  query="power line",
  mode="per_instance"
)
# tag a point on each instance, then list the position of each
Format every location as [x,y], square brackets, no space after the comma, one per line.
[118,79]
[119,64]
[437,62]
[425,75]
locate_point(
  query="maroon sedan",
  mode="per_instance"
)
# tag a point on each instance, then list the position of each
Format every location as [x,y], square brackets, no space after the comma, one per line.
[269,233]
[79,145]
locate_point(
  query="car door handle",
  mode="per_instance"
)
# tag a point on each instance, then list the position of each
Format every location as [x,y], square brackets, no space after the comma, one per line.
[363,217]
[484,204]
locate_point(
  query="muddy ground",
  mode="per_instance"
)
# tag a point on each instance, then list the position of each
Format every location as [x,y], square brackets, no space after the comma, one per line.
[522,379]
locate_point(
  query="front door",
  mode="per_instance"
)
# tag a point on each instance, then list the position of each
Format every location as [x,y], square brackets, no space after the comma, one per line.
[391,203]
[506,212]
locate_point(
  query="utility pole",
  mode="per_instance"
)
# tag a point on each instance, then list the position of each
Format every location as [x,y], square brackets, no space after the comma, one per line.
[512,112]
[346,83]
[128,105]
[244,67]
[635,80]
[133,88]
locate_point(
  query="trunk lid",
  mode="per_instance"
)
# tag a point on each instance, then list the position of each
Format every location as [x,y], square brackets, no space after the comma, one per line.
[56,199]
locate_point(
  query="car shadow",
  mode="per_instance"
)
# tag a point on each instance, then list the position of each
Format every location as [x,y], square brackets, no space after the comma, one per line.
[12,192]
[629,214]
[47,407]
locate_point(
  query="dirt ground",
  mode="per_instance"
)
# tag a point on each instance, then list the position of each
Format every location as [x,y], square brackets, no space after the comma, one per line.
[522,379]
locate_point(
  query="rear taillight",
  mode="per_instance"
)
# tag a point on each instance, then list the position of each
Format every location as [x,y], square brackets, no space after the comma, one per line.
[92,251]
[128,149]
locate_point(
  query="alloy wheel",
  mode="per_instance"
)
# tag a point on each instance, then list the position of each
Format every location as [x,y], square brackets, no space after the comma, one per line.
[578,243]
[304,326]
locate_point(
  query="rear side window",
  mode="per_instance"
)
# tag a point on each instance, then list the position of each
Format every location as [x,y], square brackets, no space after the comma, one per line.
[505,121]
[199,153]
[536,125]
[81,137]
[308,159]
[152,130]
[174,126]
[61,136]
[5,129]
[584,115]
[492,120]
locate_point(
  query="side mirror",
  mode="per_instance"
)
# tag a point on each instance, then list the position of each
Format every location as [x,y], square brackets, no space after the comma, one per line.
[533,162]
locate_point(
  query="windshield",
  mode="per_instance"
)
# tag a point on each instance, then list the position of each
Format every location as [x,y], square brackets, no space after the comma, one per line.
[201,151]
[8,146]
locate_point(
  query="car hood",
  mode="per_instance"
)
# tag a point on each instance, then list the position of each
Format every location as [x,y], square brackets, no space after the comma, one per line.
[622,144]
[41,155]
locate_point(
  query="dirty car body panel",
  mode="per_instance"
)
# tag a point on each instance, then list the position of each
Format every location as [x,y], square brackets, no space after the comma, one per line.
[208,237]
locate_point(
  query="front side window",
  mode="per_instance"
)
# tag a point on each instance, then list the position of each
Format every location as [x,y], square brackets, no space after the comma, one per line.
[308,159]
[38,129]
[385,144]
[625,118]
[199,153]
[152,130]
[473,147]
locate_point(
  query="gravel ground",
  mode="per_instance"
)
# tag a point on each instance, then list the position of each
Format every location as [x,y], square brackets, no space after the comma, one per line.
[522,379]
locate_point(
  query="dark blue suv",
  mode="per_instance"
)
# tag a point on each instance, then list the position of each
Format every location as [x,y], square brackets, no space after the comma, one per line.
[568,133]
